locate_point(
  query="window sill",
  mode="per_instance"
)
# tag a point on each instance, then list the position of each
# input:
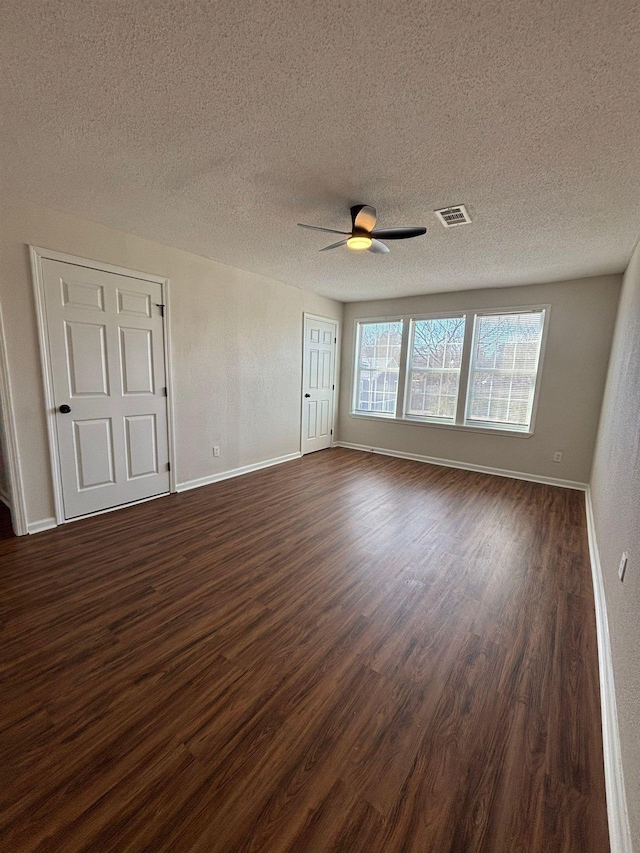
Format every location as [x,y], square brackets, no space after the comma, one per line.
[513,433]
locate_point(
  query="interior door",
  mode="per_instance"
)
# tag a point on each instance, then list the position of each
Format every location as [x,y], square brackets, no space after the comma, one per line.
[106,347]
[318,380]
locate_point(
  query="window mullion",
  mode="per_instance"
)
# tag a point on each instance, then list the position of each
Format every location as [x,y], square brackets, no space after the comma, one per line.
[465,368]
[407,328]
[358,368]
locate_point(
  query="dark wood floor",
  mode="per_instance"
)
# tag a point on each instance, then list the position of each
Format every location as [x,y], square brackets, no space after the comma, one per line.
[344,653]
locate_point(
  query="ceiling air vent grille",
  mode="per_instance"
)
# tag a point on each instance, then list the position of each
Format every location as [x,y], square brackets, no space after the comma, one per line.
[456,215]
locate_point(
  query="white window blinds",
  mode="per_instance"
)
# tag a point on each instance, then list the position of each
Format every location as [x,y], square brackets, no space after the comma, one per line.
[504,367]
[378,367]
[435,358]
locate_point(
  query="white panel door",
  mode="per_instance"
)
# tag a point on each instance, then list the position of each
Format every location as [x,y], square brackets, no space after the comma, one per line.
[106,346]
[318,383]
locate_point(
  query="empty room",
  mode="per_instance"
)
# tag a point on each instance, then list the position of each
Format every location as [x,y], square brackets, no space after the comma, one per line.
[319,427]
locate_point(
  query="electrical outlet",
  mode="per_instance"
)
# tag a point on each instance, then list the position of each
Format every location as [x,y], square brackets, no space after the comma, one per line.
[557,456]
[622,568]
[216,450]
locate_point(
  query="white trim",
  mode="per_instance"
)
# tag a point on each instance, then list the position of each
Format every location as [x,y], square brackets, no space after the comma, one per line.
[466,360]
[17,503]
[619,831]
[37,255]
[95,265]
[43,524]
[337,372]
[168,375]
[306,315]
[466,466]
[236,472]
[48,523]
[417,421]
[355,361]
[545,310]
[470,317]
[324,319]
[460,312]
[403,389]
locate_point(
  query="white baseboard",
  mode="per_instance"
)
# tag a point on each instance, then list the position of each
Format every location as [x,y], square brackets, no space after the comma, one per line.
[235,472]
[6,500]
[39,526]
[466,466]
[48,523]
[619,831]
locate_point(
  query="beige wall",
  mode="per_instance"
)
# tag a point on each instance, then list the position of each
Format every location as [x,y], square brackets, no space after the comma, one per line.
[615,492]
[577,352]
[236,339]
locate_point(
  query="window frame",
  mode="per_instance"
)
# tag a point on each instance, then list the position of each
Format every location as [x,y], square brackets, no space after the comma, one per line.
[494,425]
[461,422]
[431,419]
[357,369]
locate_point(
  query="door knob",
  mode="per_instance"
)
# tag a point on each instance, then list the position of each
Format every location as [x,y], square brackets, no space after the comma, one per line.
[307,395]
[64,409]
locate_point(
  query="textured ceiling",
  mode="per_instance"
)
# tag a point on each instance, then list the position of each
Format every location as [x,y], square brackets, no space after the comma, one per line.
[216,126]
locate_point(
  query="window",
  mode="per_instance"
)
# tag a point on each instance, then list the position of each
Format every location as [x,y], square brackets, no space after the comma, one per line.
[434,367]
[378,367]
[504,367]
[473,370]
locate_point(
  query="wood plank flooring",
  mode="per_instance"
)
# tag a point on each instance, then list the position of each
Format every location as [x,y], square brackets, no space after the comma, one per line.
[344,653]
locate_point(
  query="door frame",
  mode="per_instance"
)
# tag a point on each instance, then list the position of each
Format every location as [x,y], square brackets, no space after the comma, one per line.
[37,255]
[17,506]
[307,315]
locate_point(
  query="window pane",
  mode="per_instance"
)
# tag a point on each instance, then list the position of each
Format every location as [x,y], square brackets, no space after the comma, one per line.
[505,363]
[435,357]
[378,365]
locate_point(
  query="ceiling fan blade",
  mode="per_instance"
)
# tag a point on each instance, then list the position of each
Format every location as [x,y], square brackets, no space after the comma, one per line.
[378,248]
[398,233]
[317,228]
[363,217]
[334,245]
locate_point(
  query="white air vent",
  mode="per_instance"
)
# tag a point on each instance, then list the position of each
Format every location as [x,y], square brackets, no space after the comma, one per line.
[450,216]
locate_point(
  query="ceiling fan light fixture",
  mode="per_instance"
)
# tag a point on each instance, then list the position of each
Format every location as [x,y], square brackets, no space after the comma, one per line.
[359,242]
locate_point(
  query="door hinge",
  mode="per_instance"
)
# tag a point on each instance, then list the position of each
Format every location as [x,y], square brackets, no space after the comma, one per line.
[335,340]
[164,391]
[168,466]
[161,307]
[333,387]
[331,432]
